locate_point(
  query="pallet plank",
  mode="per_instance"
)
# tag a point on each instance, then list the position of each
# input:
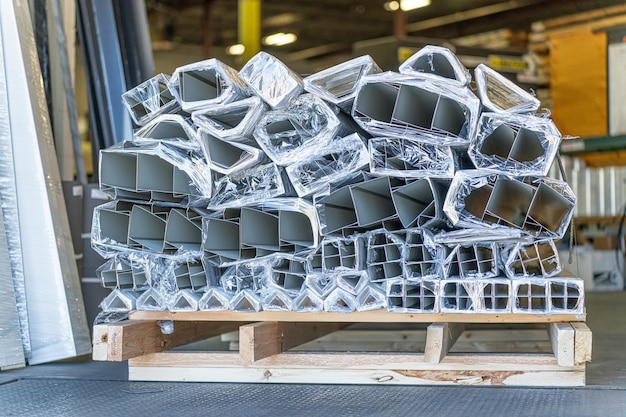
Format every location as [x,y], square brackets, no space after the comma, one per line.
[261,340]
[125,340]
[376,316]
[439,339]
[562,339]
[582,343]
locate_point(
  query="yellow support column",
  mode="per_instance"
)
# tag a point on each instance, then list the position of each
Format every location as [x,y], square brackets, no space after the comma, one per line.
[250,27]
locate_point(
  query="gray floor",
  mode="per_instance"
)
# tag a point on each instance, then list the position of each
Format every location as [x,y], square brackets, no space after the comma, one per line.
[86,388]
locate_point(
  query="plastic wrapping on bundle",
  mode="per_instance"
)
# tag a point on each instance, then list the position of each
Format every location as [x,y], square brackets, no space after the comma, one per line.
[206,83]
[121,226]
[343,254]
[155,171]
[471,261]
[234,121]
[328,164]
[337,83]
[250,186]
[402,157]
[229,157]
[436,63]
[460,295]
[271,80]
[499,94]
[340,301]
[561,294]
[515,144]
[171,128]
[149,99]
[419,203]
[413,295]
[391,104]
[538,206]
[421,256]
[296,131]
[531,259]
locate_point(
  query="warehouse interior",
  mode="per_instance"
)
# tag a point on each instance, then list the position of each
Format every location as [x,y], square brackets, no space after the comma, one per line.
[514,303]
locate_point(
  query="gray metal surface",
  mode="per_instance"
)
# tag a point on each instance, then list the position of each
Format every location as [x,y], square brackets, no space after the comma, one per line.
[116,398]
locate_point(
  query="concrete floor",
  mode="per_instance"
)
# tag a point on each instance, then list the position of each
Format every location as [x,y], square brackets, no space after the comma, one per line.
[86,388]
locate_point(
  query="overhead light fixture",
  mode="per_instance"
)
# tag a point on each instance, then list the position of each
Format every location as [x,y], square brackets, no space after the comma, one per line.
[405,5]
[279,39]
[236,49]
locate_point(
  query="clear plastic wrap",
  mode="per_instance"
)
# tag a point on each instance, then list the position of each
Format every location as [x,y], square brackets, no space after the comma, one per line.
[288,274]
[119,301]
[123,273]
[124,226]
[271,80]
[340,301]
[337,83]
[342,254]
[298,130]
[402,157]
[421,258]
[229,157]
[413,295]
[246,301]
[277,299]
[206,83]
[353,282]
[471,261]
[287,225]
[214,299]
[515,144]
[171,128]
[556,295]
[390,104]
[371,298]
[491,295]
[250,186]
[155,171]
[151,300]
[538,206]
[437,63]
[149,99]
[499,94]
[334,162]
[383,256]
[419,203]
[308,301]
[184,300]
[234,121]
[321,284]
[533,259]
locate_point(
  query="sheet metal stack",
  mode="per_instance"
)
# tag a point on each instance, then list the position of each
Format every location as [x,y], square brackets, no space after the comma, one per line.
[352,189]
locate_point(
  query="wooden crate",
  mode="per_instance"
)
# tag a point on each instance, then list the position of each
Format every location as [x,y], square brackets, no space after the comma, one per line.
[334,348]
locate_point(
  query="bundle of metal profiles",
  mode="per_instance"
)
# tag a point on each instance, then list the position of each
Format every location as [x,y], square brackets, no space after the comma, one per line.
[348,190]
[45,282]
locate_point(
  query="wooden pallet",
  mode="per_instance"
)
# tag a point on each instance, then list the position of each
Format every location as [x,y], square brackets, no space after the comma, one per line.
[320,348]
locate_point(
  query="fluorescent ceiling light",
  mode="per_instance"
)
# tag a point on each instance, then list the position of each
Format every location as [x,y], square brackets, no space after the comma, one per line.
[405,5]
[279,39]
[236,49]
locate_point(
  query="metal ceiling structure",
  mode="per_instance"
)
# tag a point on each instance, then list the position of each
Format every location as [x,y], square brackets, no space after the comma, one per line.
[329,26]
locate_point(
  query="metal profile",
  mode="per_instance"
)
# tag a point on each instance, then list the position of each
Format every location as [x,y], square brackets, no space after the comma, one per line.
[234,121]
[536,259]
[420,203]
[184,300]
[337,84]
[567,294]
[409,158]
[277,299]
[383,259]
[289,274]
[371,298]
[214,299]
[169,127]
[341,254]
[388,104]
[149,99]
[206,83]
[413,296]
[245,301]
[297,131]
[308,301]
[271,80]
[436,63]
[321,284]
[515,144]
[228,157]
[329,164]
[151,300]
[353,282]
[120,301]
[250,186]
[539,206]
[340,301]
[531,296]
[471,261]
[499,94]
[419,258]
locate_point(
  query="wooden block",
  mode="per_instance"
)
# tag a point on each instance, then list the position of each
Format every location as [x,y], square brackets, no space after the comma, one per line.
[582,343]
[132,338]
[562,339]
[439,339]
[264,339]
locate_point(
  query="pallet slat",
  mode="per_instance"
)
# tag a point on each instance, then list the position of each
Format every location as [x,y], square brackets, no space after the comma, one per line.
[439,339]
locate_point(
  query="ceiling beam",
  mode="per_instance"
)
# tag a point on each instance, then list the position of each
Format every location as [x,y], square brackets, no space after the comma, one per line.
[470,14]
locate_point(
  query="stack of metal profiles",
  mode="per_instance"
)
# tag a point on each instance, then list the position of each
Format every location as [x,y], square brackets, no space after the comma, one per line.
[349,190]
